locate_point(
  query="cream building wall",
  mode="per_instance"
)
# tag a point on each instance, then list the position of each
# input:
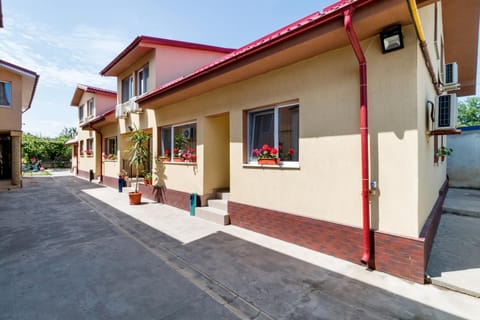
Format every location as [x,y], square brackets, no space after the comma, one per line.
[327,183]
[11,118]
[111,168]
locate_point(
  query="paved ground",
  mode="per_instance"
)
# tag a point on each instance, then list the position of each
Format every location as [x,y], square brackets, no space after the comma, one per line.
[59,259]
[455,257]
[253,275]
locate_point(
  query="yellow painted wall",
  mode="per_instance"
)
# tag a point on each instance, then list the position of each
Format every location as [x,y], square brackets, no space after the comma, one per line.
[11,118]
[431,177]
[327,184]
[111,168]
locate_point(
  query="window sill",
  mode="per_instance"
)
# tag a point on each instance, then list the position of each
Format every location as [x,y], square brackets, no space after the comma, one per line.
[181,163]
[287,166]
[109,160]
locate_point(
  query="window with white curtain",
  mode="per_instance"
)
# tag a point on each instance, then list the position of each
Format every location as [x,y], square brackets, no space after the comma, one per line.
[277,127]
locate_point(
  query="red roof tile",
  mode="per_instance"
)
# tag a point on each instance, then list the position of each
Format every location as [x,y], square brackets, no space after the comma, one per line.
[275,37]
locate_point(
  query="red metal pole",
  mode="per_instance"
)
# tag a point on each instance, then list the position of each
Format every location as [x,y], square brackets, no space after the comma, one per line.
[355,43]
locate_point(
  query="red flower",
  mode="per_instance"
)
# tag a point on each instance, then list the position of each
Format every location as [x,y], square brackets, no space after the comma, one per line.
[291,151]
[266,147]
[167,152]
[273,152]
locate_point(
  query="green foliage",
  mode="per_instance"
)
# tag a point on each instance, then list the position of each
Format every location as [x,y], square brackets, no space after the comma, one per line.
[138,151]
[47,149]
[469,112]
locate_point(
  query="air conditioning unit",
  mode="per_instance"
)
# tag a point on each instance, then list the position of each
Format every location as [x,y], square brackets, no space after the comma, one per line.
[134,107]
[445,112]
[188,133]
[121,111]
[450,74]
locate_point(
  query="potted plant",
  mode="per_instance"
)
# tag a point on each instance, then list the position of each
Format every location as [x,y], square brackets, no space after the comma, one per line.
[148,178]
[443,152]
[165,156]
[267,155]
[180,144]
[138,156]
[189,155]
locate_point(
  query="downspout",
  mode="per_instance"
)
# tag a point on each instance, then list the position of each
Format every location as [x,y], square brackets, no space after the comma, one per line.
[101,151]
[355,43]
[412,6]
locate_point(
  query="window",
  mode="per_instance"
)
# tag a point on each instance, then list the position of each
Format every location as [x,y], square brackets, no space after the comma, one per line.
[90,108]
[277,127]
[82,150]
[111,148]
[5,94]
[81,113]
[89,150]
[127,88]
[142,80]
[179,141]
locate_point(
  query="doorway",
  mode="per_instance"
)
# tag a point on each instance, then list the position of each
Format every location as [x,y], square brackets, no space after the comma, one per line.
[5,157]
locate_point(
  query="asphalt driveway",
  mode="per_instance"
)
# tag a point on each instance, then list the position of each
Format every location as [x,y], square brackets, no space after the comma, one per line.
[59,259]
[66,255]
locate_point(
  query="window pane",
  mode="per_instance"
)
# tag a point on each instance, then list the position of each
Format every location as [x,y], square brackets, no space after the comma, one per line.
[126,89]
[5,94]
[166,141]
[288,133]
[80,113]
[185,140]
[261,130]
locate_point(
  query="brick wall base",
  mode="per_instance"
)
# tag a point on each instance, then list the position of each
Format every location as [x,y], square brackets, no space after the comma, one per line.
[400,256]
[111,182]
[83,174]
[173,198]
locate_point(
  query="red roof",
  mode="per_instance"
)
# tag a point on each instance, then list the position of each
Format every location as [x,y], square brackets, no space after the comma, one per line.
[146,40]
[291,30]
[96,90]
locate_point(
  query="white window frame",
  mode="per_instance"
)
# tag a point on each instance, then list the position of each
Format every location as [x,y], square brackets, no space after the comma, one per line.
[254,162]
[90,145]
[81,113]
[8,94]
[90,108]
[129,78]
[141,78]
[172,137]
[108,141]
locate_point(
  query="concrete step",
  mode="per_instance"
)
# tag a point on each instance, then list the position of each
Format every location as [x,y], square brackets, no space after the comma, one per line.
[223,195]
[213,215]
[218,204]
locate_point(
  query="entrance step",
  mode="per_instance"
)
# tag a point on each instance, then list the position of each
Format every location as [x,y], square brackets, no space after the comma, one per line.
[218,204]
[213,215]
[223,195]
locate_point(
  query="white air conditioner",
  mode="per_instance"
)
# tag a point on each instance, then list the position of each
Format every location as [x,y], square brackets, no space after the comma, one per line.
[121,111]
[450,74]
[445,112]
[134,107]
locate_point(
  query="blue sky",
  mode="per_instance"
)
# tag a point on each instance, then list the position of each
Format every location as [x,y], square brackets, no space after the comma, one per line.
[69,42]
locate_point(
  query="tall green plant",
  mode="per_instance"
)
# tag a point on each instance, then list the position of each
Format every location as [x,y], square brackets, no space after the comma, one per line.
[138,151]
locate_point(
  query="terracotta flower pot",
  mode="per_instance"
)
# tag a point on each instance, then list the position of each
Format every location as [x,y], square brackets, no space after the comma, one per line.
[135,197]
[178,159]
[269,161]
[147,180]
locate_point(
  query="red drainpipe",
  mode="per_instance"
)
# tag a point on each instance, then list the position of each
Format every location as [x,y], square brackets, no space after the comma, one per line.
[101,151]
[352,36]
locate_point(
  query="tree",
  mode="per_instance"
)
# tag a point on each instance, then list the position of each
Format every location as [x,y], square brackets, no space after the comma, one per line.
[469,112]
[68,133]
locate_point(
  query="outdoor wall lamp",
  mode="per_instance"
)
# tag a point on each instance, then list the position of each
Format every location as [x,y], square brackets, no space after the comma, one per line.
[391,38]
[130,128]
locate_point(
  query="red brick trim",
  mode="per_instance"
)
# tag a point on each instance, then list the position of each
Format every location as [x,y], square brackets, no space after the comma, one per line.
[430,227]
[173,198]
[397,255]
[111,182]
[83,174]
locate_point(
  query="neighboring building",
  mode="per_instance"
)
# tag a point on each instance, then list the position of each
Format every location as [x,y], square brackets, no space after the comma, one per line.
[17,88]
[359,187]
[96,110]
[146,64]
[464,164]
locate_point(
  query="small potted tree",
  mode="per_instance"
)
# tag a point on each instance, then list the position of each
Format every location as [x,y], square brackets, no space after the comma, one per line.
[138,156]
